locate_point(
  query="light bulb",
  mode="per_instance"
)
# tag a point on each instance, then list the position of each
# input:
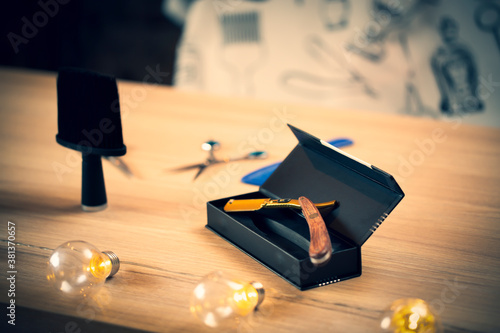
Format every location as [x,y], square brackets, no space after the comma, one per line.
[409,315]
[77,268]
[219,301]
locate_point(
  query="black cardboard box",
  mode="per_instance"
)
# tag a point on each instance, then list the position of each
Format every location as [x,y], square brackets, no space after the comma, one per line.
[279,238]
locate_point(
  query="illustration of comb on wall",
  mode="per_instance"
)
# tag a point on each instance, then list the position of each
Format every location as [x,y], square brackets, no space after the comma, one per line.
[89,122]
[242,49]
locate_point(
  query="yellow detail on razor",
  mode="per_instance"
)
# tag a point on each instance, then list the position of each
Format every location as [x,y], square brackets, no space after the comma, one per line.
[247,205]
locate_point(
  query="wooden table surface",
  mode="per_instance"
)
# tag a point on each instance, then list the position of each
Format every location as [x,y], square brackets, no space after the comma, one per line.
[441,244]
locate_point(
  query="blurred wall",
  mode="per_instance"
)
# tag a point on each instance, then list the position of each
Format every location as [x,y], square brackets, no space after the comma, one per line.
[426,58]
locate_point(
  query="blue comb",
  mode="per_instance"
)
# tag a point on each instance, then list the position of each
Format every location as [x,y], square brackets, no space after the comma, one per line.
[258,177]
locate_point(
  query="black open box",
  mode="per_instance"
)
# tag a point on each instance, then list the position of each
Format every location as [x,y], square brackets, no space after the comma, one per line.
[279,238]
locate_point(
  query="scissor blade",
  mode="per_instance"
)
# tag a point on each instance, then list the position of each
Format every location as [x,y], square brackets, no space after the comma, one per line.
[189,167]
[202,168]
[120,164]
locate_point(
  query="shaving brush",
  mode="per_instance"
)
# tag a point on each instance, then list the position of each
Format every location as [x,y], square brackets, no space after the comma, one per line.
[89,122]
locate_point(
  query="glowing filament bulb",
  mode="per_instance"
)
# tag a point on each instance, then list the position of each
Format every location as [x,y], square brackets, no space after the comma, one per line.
[220,301]
[78,268]
[409,315]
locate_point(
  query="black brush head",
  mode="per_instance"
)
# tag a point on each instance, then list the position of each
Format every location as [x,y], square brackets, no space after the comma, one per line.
[89,113]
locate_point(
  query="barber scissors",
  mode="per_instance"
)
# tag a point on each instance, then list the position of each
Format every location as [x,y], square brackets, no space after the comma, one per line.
[120,164]
[211,146]
[487,18]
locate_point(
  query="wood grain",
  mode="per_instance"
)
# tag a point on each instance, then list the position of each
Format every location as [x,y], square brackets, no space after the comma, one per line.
[441,243]
[320,248]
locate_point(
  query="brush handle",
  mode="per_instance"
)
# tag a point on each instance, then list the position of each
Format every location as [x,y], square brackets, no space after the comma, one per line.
[93,188]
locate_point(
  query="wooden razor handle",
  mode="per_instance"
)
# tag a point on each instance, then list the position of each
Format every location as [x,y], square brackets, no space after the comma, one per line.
[320,249]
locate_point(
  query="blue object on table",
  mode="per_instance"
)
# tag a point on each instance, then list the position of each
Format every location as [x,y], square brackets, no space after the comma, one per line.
[258,177]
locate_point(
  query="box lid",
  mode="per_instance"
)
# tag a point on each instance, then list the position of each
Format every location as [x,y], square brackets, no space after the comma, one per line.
[322,172]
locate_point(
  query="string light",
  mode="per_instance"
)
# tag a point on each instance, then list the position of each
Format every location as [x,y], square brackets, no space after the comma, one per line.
[220,301]
[409,315]
[78,268]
